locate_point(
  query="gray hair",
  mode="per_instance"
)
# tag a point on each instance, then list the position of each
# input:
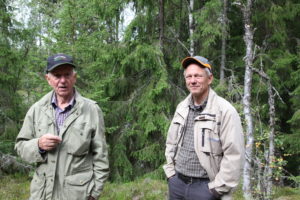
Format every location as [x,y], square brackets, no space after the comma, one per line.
[207,70]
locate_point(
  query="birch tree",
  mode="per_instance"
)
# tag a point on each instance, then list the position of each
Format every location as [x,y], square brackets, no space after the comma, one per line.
[191,27]
[249,57]
[271,139]
[224,38]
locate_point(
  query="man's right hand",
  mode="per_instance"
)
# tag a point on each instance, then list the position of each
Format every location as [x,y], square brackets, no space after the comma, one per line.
[48,142]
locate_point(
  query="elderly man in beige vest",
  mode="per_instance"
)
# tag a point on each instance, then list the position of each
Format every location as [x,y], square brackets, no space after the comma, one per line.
[205,144]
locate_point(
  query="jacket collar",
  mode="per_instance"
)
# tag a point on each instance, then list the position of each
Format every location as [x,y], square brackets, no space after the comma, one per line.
[183,107]
[46,104]
[76,111]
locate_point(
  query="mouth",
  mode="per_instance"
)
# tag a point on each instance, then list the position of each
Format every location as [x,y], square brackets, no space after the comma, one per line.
[62,87]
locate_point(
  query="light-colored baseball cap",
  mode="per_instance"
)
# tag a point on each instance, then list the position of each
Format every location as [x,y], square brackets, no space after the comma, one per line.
[196,59]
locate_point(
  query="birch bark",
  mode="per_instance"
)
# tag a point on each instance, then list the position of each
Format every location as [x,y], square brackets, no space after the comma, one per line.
[248,38]
[224,38]
[191,27]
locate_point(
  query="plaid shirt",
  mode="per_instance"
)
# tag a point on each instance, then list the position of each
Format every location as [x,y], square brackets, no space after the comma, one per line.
[61,114]
[188,162]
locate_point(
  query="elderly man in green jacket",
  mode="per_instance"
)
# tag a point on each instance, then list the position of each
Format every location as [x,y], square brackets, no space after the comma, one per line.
[63,134]
[205,144]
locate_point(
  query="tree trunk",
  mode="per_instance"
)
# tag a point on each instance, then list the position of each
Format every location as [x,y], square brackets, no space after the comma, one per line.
[270,154]
[161,23]
[224,38]
[248,38]
[191,27]
[117,25]
[271,137]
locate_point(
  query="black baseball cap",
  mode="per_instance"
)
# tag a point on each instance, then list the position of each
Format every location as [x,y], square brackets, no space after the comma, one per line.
[196,59]
[57,60]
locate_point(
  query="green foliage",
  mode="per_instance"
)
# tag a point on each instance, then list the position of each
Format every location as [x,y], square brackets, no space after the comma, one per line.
[138,83]
[144,112]
[209,25]
[7,146]
[295,179]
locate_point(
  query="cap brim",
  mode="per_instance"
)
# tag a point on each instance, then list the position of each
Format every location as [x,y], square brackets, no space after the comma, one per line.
[188,60]
[57,65]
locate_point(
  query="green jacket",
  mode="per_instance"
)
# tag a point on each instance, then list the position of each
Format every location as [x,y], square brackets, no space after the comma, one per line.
[218,142]
[79,164]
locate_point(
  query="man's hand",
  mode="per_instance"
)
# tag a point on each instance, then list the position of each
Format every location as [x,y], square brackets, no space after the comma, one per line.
[48,142]
[170,177]
[91,198]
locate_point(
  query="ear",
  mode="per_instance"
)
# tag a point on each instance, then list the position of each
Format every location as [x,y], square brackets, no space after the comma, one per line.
[210,79]
[75,77]
[47,77]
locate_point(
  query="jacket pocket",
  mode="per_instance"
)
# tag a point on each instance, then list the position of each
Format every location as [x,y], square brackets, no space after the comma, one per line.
[78,140]
[177,127]
[37,187]
[208,139]
[42,128]
[78,186]
[175,133]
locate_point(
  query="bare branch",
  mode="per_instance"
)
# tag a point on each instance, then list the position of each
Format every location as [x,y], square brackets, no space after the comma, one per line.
[181,43]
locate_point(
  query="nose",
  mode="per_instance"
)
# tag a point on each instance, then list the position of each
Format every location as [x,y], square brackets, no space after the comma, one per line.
[62,79]
[193,80]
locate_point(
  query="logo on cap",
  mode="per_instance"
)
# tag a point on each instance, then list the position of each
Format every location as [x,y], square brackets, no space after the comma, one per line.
[59,58]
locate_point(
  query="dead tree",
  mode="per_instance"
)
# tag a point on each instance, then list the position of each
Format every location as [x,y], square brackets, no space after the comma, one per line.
[270,156]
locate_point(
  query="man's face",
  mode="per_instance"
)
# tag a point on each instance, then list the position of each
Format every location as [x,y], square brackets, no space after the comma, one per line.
[197,81]
[62,80]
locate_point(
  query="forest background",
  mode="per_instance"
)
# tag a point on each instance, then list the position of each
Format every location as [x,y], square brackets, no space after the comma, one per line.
[128,54]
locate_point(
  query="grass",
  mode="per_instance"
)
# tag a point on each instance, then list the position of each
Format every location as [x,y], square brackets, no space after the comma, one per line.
[286,193]
[143,189]
[16,187]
